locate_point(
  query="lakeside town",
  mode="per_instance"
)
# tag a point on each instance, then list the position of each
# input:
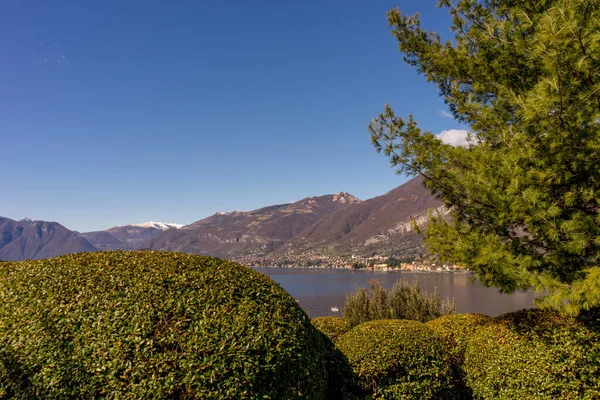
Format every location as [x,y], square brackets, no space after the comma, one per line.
[352,262]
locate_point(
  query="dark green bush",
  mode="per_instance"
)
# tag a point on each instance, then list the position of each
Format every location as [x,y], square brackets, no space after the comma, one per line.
[333,327]
[403,301]
[153,325]
[534,354]
[398,359]
[340,376]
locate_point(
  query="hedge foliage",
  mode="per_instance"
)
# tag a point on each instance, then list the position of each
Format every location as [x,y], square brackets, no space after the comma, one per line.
[153,325]
[398,359]
[333,327]
[534,354]
[456,330]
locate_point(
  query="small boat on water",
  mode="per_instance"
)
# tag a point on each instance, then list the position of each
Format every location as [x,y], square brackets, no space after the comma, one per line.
[335,309]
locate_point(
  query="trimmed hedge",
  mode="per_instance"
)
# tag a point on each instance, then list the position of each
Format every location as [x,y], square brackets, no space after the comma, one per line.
[153,325]
[534,354]
[456,330]
[340,376]
[398,359]
[333,327]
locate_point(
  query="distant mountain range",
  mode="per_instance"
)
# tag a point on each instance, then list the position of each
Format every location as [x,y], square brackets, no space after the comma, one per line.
[127,237]
[257,232]
[331,224]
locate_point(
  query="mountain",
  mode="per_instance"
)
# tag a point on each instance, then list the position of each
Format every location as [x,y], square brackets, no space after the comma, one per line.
[103,240]
[27,239]
[127,237]
[383,223]
[255,232]
[331,224]
[161,226]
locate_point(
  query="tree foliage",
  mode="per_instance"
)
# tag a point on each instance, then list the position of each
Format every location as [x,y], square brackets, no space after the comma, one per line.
[403,301]
[523,195]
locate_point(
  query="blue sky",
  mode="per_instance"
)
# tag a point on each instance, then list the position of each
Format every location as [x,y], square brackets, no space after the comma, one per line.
[116,112]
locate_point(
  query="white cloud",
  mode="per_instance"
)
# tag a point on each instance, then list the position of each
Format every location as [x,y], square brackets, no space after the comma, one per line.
[445,114]
[63,62]
[52,55]
[454,137]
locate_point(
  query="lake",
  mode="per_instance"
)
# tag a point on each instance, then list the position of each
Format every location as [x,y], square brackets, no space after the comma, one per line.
[317,290]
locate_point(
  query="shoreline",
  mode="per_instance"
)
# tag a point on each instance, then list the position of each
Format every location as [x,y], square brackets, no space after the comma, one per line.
[365,269]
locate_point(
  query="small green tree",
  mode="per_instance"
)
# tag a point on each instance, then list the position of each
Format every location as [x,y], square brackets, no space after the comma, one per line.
[379,302]
[404,301]
[524,193]
[408,301]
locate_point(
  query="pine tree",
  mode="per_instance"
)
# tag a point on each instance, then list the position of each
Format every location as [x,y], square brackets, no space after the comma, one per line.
[524,194]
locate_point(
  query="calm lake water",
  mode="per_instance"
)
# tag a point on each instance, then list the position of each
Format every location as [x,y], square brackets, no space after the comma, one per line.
[317,290]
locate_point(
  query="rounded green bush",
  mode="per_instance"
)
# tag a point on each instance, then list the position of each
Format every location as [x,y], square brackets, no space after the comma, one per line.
[333,327]
[398,359]
[153,325]
[340,377]
[456,330]
[534,354]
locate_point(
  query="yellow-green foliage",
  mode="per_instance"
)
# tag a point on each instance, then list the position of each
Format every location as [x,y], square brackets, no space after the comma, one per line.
[404,301]
[398,359]
[522,189]
[456,330]
[333,327]
[534,354]
[152,325]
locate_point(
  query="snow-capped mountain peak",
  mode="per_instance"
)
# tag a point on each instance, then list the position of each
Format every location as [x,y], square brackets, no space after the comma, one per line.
[163,226]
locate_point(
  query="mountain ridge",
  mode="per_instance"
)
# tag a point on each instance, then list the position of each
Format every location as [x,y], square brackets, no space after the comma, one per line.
[27,239]
[129,236]
[256,232]
[329,224]
[382,222]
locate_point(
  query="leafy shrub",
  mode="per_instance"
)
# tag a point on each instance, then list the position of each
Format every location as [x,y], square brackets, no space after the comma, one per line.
[333,327]
[341,384]
[341,379]
[398,359]
[152,325]
[408,301]
[534,354]
[456,330]
[356,307]
[590,318]
[404,301]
